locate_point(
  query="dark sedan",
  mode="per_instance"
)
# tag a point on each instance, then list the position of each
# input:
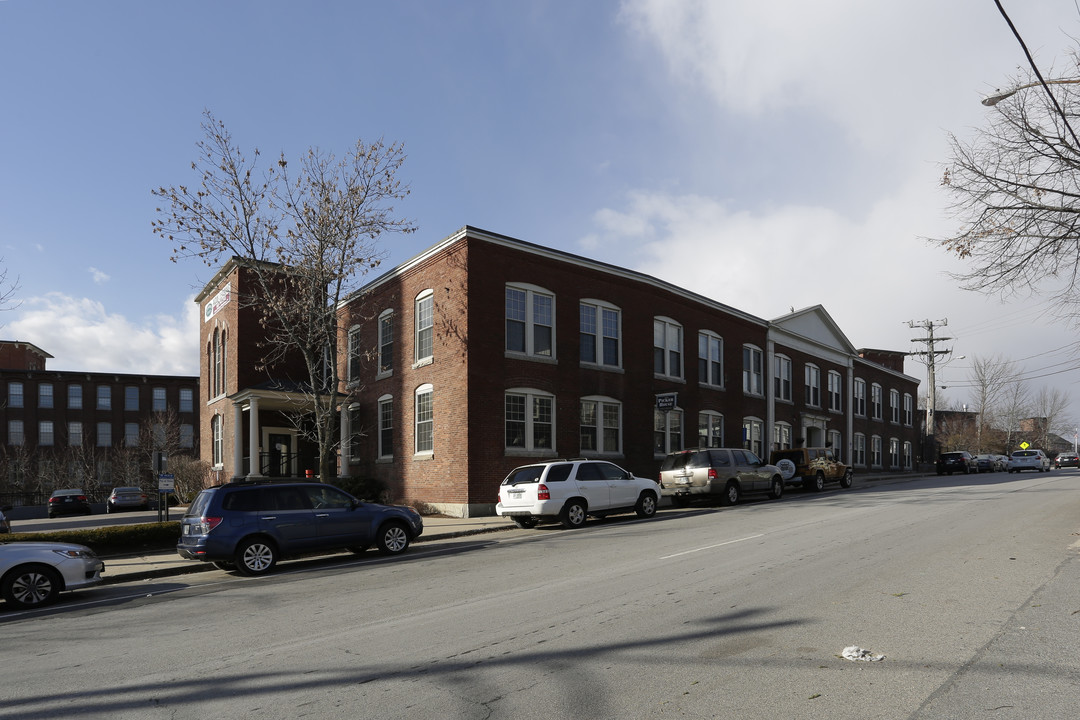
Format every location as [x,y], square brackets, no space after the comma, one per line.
[69,502]
[960,461]
[1067,460]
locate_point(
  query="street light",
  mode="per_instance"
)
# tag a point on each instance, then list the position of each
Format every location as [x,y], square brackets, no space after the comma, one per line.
[999,95]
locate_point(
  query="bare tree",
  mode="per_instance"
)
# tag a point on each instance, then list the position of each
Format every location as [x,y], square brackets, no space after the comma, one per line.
[308,237]
[1015,188]
[1050,406]
[1014,408]
[990,378]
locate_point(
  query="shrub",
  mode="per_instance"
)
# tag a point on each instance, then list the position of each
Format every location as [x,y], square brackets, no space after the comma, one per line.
[113,540]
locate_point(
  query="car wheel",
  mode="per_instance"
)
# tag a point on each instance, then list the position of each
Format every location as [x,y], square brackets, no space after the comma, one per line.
[573,514]
[816,483]
[646,505]
[777,490]
[680,500]
[731,494]
[393,538]
[845,481]
[525,522]
[31,586]
[358,549]
[256,556]
[109,509]
[224,565]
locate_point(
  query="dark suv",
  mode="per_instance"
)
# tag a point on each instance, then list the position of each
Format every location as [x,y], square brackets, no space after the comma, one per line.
[959,461]
[248,526]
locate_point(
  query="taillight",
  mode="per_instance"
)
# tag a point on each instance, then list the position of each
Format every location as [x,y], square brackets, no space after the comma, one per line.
[206,524]
[712,473]
[542,492]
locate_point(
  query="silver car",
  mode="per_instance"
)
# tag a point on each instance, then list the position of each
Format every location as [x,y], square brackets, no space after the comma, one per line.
[33,574]
[1022,460]
[127,498]
[727,473]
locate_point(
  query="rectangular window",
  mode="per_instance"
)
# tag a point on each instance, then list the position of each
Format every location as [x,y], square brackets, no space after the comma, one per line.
[782,381]
[15,394]
[187,400]
[15,432]
[875,451]
[386,428]
[813,386]
[907,456]
[45,432]
[529,420]
[425,327]
[710,359]
[599,335]
[45,395]
[753,430]
[386,342]
[187,435]
[158,399]
[515,320]
[667,431]
[530,322]
[860,398]
[752,369]
[600,427]
[104,434]
[425,422]
[710,429]
[74,397]
[835,391]
[355,355]
[908,410]
[131,398]
[104,397]
[131,434]
[782,436]
[860,450]
[835,443]
[75,438]
[894,453]
[875,401]
[216,439]
[894,406]
[667,348]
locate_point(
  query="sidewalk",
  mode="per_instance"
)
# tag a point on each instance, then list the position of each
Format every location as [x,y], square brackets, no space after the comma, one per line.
[163,563]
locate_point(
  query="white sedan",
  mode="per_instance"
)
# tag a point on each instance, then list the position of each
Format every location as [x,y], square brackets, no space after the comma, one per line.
[33,574]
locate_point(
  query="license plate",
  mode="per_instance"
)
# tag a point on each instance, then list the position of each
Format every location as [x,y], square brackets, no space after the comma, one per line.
[682,481]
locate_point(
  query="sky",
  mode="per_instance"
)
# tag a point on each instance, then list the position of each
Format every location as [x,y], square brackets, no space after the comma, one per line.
[771,155]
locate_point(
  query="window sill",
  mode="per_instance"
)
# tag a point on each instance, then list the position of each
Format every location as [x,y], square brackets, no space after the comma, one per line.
[424,456]
[669,378]
[422,363]
[601,368]
[526,452]
[510,355]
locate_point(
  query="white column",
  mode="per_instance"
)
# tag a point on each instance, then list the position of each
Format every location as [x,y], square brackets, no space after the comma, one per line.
[346,431]
[238,439]
[253,437]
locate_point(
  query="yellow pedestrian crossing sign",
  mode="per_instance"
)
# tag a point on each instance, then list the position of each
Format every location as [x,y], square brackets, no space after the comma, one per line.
[1024,445]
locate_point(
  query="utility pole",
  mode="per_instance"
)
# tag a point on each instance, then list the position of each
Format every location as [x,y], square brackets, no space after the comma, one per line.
[929,355]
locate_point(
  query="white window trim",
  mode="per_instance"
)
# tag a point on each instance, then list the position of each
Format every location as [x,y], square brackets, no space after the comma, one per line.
[812,376]
[419,361]
[423,390]
[709,335]
[877,400]
[782,362]
[713,415]
[894,406]
[748,441]
[778,433]
[600,306]
[680,441]
[530,394]
[380,373]
[747,374]
[531,291]
[680,372]
[836,391]
[601,451]
[380,451]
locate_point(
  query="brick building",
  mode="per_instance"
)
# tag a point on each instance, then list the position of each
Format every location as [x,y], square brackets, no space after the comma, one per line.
[90,430]
[486,352]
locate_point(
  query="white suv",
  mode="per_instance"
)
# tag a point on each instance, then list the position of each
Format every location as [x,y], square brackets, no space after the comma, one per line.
[1028,460]
[570,490]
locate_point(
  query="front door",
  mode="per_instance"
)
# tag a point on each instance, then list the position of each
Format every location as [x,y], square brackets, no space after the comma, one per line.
[281,454]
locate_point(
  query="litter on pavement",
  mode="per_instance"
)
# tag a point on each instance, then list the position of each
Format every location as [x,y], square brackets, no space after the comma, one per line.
[858,654]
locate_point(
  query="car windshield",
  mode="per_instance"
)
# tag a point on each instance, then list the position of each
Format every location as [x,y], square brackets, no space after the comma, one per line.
[529,474]
[1024,453]
[953,456]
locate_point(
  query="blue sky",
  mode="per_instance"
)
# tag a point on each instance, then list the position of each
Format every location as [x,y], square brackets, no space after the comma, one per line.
[770,155]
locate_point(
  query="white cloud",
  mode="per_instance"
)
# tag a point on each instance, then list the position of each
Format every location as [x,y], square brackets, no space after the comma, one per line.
[99,276]
[81,335]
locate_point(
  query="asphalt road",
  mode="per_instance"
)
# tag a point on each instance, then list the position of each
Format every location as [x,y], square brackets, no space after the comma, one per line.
[967,586]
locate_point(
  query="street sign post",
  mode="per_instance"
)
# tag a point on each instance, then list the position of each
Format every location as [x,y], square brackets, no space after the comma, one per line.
[166,484]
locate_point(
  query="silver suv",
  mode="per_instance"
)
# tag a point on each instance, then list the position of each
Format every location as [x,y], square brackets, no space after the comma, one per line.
[571,490]
[725,472]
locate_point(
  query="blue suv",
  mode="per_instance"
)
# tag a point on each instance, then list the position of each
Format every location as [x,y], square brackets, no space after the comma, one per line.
[248,526]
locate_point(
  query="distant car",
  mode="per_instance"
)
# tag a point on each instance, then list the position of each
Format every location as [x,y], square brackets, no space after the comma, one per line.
[127,498]
[1022,460]
[248,526]
[1067,460]
[33,574]
[5,521]
[960,461]
[988,463]
[69,502]
[570,490]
